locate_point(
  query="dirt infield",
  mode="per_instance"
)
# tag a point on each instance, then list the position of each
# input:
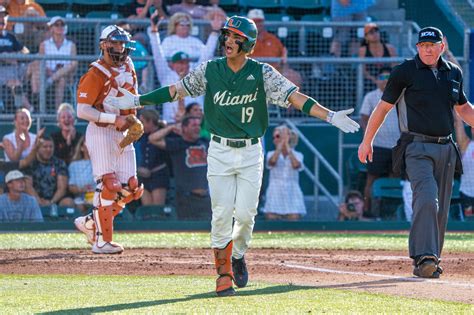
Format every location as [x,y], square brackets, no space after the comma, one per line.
[385,272]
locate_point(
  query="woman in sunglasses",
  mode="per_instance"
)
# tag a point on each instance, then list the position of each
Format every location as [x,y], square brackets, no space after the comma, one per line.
[373,47]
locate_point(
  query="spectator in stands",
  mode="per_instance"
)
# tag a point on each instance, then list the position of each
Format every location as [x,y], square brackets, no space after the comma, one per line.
[19,8]
[11,91]
[284,198]
[18,144]
[58,72]
[189,7]
[16,205]
[180,63]
[189,159]
[179,39]
[152,167]
[31,34]
[466,146]
[6,167]
[50,177]
[268,45]
[352,209]
[67,137]
[81,181]
[386,138]
[141,9]
[373,47]
[346,11]
[195,110]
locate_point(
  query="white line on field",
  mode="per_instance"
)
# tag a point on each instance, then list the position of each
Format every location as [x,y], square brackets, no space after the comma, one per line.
[377,275]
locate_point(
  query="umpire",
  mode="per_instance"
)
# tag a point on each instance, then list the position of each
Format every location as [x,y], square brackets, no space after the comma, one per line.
[425,90]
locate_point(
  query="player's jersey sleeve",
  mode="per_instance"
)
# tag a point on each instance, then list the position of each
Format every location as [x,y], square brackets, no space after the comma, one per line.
[89,88]
[194,83]
[277,88]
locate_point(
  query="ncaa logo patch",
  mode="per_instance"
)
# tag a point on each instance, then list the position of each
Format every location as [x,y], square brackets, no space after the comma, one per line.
[428,34]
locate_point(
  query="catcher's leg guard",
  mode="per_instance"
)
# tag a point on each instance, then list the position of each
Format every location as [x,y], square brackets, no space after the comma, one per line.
[108,208]
[222,259]
[133,191]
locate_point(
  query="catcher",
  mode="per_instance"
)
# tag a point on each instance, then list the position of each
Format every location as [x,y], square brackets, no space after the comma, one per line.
[108,137]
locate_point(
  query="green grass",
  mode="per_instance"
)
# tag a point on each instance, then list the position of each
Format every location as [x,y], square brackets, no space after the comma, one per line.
[459,242]
[55,294]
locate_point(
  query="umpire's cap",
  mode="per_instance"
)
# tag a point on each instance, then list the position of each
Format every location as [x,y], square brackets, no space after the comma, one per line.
[430,34]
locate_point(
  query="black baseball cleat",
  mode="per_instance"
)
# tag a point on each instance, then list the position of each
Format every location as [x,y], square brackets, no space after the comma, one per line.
[241,275]
[427,267]
[227,292]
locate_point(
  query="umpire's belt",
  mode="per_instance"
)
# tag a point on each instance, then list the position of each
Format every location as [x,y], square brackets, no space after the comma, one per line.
[430,139]
[235,143]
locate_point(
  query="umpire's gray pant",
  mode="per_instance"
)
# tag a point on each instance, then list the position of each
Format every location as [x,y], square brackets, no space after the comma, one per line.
[430,169]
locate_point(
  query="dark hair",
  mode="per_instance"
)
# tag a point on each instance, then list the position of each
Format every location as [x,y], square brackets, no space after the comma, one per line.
[384,69]
[353,194]
[150,115]
[47,138]
[191,105]
[187,119]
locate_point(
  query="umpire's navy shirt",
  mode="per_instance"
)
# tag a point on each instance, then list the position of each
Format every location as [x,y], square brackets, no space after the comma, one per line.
[425,102]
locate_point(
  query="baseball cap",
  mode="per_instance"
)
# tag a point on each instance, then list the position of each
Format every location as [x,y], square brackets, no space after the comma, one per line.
[370,26]
[54,19]
[430,34]
[179,56]
[12,175]
[3,9]
[256,14]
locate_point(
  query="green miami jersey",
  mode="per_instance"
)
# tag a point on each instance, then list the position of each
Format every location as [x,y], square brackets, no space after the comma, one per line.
[235,103]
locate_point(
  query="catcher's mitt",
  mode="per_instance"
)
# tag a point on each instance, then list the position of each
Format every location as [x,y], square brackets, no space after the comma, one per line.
[134,131]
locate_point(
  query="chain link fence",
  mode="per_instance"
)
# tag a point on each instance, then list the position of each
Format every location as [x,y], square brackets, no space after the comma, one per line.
[336,82]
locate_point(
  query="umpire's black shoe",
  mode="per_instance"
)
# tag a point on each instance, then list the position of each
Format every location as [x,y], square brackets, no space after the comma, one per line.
[241,275]
[427,267]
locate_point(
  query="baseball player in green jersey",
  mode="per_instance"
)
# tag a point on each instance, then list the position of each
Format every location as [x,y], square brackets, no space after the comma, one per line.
[237,90]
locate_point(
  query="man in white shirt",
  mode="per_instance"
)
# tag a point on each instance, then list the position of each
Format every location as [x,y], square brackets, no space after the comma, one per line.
[173,70]
[387,136]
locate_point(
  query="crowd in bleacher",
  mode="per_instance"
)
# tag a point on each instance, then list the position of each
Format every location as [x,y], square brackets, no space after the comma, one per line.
[54,170]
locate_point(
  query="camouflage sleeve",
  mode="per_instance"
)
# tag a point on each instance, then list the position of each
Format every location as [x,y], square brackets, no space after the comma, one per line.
[277,88]
[194,83]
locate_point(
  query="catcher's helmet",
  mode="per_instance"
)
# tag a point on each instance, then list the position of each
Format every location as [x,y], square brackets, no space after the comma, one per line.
[244,27]
[114,33]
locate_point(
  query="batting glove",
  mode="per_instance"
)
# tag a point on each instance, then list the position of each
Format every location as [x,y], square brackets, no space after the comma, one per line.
[342,121]
[127,101]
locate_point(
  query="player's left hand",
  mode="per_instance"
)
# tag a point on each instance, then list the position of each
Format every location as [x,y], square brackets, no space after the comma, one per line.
[127,101]
[342,121]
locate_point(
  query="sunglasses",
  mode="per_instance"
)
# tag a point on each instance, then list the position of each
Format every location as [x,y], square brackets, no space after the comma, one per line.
[373,31]
[382,77]
[59,24]
[183,23]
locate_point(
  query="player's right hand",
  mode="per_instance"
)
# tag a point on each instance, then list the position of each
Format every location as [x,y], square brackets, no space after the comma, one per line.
[127,101]
[121,122]
[341,120]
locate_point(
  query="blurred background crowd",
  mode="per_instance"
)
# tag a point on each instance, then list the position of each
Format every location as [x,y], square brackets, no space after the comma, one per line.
[323,46]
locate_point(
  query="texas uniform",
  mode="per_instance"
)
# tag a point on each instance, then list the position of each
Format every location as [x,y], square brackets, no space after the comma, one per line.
[235,108]
[114,169]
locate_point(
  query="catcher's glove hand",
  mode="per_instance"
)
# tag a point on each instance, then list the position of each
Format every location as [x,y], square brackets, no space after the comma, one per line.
[134,131]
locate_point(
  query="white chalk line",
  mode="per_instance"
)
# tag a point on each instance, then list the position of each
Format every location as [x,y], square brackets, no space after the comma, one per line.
[377,275]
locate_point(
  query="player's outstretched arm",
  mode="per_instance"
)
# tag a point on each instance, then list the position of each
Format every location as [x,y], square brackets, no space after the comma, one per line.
[129,100]
[310,106]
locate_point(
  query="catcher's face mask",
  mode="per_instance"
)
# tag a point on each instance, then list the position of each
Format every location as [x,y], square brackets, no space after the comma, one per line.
[117,44]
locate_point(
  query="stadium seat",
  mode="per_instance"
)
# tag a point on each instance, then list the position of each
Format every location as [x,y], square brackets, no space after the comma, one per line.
[124,216]
[302,4]
[228,2]
[92,2]
[103,15]
[122,2]
[63,13]
[314,17]
[155,213]
[386,197]
[356,172]
[68,213]
[260,3]
[48,2]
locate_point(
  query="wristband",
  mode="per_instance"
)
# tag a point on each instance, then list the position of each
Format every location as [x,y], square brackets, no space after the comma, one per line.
[330,116]
[308,105]
[107,118]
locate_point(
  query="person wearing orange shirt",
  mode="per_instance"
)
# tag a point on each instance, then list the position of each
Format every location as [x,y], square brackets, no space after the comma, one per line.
[268,45]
